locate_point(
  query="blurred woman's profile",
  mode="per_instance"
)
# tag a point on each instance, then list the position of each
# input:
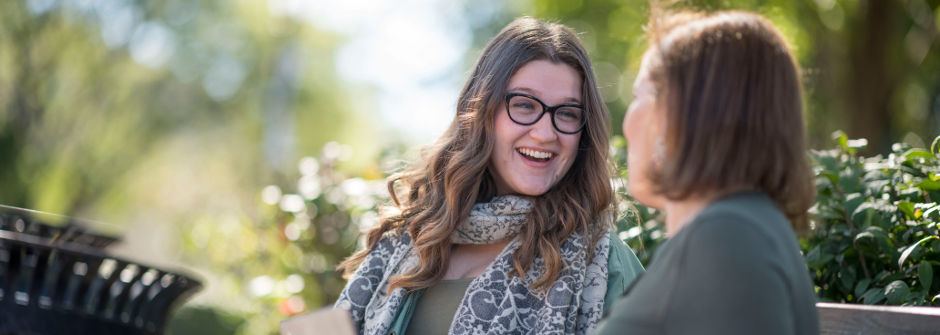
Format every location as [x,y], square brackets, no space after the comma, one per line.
[716,140]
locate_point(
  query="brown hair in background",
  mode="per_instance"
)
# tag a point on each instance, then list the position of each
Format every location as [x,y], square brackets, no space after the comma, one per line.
[732,94]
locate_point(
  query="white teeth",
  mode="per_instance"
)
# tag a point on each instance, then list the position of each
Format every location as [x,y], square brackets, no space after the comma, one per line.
[535,154]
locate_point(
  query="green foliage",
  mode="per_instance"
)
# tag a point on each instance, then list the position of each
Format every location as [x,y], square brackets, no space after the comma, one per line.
[324,228]
[875,238]
[166,117]
[284,260]
[640,227]
[870,84]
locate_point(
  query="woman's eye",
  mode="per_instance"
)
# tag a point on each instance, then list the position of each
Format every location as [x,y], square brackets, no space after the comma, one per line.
[568,114]
[523,105]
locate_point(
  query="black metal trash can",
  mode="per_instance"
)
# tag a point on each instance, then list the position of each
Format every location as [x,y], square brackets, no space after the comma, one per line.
[59,279]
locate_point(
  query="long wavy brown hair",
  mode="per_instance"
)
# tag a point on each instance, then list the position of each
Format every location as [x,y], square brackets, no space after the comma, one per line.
[440,190]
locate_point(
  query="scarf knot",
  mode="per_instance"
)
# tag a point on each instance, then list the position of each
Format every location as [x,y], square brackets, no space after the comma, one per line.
[494,221]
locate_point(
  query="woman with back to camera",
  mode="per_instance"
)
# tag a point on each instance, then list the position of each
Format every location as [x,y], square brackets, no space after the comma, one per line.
[715,140]
[504,226]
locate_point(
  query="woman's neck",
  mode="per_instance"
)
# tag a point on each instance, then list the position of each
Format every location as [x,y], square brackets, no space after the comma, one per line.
[471,260]
[681,213]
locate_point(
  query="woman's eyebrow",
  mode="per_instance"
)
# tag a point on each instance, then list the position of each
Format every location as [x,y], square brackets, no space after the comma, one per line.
[526,90]
[536,94]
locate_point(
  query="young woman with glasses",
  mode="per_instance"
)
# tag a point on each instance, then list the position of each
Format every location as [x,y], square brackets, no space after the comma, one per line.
[716,141]
[504,226]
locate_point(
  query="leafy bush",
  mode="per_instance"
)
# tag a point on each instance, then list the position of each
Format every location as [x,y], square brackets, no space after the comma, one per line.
[281,261]
[875,237]
[319,219]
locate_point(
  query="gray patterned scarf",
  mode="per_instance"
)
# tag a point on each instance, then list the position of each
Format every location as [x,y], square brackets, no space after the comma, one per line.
[495,303]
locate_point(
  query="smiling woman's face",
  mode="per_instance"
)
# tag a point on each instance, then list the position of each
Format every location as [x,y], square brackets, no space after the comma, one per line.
[529,160]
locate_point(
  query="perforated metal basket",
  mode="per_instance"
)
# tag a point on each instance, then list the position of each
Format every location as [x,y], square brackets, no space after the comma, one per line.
[60,280]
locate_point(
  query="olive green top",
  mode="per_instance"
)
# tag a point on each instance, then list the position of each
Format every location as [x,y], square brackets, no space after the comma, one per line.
[435,310]
[735,269]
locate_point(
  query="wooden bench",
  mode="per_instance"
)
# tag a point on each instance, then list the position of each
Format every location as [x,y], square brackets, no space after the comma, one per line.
[865,319]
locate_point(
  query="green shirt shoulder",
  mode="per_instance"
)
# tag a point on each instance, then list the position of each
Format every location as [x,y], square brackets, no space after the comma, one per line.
[622,268]
[735,269]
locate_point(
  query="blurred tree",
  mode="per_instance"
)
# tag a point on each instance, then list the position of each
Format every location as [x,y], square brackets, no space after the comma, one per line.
[90,88]
[876,68]
[167,117]
[870,66]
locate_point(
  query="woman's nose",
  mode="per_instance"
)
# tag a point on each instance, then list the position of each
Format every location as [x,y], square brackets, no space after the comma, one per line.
[544,130]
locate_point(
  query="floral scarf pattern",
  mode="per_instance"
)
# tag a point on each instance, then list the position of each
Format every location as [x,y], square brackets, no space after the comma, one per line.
[495,303]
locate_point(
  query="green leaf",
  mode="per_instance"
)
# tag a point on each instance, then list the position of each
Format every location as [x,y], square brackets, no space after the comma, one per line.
[848,279]
[864,213]
[881,276]
[925,205]
[864,235]
[827,161]
[834,178]
[852,201]
[931,210]
[817,258]
[929,185]
[918,153]
[841,139]
[873,296]
[907,251]
[925,274]
[876,235]
[933,146]
[896,292]
[877,186]
[849,180]
[914,298]
[825,212]
[907,208]
[857,143]
[862,286]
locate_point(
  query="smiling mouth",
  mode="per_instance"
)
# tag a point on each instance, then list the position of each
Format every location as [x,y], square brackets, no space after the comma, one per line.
[535,155]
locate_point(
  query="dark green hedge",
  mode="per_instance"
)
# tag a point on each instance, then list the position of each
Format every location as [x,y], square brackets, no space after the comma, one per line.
[874,236]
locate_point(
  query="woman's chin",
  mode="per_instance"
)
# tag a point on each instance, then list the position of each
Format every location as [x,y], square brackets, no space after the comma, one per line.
[532,191]
[645,196]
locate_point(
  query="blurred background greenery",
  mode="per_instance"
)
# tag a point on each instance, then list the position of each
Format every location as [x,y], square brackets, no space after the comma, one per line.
[248,140]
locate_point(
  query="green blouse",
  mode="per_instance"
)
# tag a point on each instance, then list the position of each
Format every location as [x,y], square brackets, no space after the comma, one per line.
[735,269]
[435,310]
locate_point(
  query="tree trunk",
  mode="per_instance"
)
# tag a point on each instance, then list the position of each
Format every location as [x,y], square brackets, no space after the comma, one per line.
[869,79]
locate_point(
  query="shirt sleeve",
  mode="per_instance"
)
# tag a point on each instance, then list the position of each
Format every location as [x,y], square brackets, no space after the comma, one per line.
[622,268]
[729,283]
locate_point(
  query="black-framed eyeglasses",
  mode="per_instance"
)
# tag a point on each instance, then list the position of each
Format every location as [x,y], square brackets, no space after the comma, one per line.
[526,110]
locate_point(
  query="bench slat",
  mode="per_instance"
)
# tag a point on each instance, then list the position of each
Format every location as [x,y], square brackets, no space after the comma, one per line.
[864,319]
